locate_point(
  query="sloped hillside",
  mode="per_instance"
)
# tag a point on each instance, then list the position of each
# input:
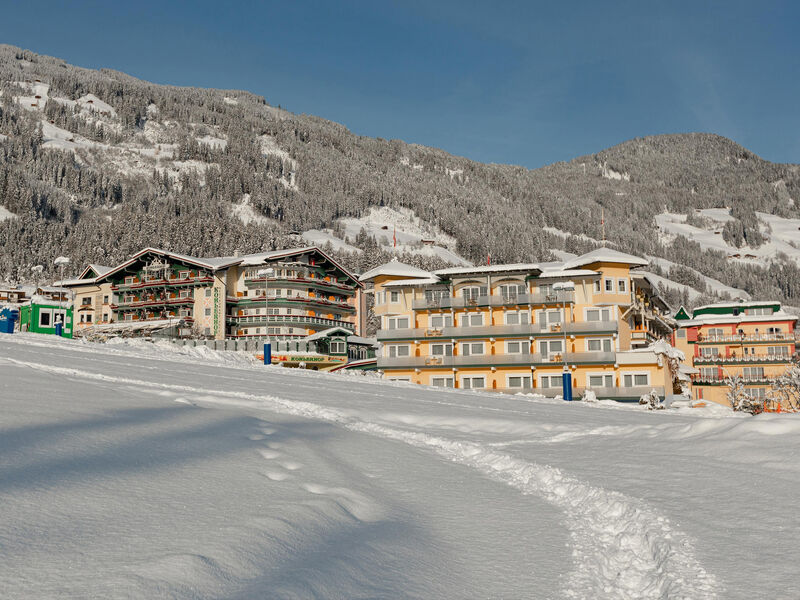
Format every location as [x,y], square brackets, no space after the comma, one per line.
[96,164]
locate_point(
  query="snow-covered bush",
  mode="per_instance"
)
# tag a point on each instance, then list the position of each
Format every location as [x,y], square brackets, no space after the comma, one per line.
[786,389]
[740,399]
[652,400]
[589,396]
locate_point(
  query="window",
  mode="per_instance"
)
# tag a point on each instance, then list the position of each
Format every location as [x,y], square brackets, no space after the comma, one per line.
[761,310]
[778,351]
[597,286]
[682,334]
[397,350]
[339,347]
[473,383]
[521,317]
[512,290]
[518,347]
[45,318]
[471,348]
[106,317]
[442,382]
[753,372]
[86,301]
[472,319]
[609,285]
[760,393]
[600,380]
[184,274]
[185,312]
[715,332]
[441,349]
[709,372]
[380,298]
[435,296]
[105,299]
[598,314]
[550,381]
[635,379]
[550,348]
[405,379]
[548,317]
[129,280]
[394,296]
[710,353]
[208,312]
[774,330]
[599,345]
[208,292]
[474,293]
[397,322]
[207,331]
[89,318]
[439,321]
[519,381]
[184,293]
[622,285]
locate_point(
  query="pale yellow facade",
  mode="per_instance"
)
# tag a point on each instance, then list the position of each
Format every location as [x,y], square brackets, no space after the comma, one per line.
[510,328]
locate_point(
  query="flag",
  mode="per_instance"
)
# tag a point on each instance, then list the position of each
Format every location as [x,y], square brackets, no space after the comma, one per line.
[488,259]
[394,236]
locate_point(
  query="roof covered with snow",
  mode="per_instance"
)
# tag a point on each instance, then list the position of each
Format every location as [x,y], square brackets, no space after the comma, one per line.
[605,255]
[395,268]
[489,269]
[413,282]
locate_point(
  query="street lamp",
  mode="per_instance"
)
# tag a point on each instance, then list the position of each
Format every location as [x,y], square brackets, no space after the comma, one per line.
[61,262]
[266,274]
[566,377]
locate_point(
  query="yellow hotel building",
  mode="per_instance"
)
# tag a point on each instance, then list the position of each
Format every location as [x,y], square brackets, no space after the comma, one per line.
[516,328]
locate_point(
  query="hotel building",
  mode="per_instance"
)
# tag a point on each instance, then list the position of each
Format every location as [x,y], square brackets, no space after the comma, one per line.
[518,327]
[221,298]
[755,340]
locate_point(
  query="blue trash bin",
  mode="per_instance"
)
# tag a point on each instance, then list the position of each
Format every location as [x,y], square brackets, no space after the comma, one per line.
[566,383]
[59,329]
[7,319]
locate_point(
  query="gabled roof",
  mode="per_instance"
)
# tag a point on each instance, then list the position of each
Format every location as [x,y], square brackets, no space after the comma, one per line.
[395,268]
[326,332]
[605,255]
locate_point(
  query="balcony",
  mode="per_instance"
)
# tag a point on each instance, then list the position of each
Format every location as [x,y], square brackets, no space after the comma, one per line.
[160,283]
[421,362]
[448,302]
[744,359]
[498,331]
[297,300]
[723,380]
[255,280]
[129,305]
[292,320]
[748,338]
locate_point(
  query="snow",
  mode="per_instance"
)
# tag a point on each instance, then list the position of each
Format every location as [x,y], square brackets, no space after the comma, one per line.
[231,101]
[721,215]
[3,137]
[565,234]
[270,147]
[384,223]
[31,102]
[714,285]
[247,214]
[151,470]
[92,102]
[320,237]
[396,269]
[61,139]
[610,173]
[6,214]
[783,237]
[604,255]
[215,143]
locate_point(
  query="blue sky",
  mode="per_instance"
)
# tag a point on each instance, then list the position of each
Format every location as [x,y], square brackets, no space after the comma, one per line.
[526,83]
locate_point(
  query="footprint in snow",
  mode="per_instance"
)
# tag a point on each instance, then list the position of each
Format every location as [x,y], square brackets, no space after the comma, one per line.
[276,475]
[291,465]
[255,437]
[269,454]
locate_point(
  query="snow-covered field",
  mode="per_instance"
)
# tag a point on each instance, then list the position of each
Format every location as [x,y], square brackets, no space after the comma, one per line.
[152,471]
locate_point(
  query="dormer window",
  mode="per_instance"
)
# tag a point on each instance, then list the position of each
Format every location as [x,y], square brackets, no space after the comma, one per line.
[184,274]
[129,280]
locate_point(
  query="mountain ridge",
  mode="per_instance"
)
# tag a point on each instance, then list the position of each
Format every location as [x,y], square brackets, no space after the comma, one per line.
[173,163]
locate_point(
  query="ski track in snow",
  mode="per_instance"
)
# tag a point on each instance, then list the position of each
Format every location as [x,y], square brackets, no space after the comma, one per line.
[622,548]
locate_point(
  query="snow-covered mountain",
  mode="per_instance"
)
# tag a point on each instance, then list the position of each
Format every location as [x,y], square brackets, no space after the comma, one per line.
[97,164]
